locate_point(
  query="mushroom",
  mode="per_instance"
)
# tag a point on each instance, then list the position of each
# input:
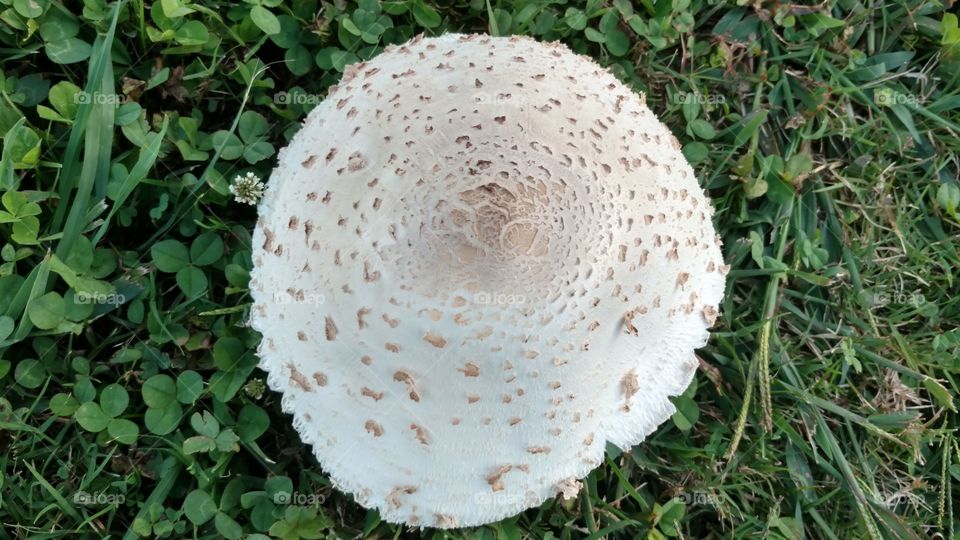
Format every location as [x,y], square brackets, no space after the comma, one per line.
[479,261]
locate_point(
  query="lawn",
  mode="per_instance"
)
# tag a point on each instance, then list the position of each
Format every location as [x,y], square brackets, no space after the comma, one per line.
[134,134]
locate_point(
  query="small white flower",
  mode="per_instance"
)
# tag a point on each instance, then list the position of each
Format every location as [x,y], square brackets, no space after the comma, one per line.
[247,188]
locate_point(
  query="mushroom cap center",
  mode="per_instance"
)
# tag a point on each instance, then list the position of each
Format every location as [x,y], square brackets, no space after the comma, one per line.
[500,221]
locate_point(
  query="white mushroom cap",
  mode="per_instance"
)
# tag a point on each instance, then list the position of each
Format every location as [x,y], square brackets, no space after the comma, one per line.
[478,261]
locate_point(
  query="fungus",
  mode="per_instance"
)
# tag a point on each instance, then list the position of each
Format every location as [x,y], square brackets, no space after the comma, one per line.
[488,217]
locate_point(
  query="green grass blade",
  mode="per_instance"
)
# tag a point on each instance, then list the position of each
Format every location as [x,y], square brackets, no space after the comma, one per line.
[148,156]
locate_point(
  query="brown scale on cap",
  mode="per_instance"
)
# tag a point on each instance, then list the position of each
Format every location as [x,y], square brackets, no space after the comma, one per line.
[330,328]
[435,340]
[297,379]
[373,428]
[628,322]
[710,315]
[445,521]
[421,434]
[630,384]
[376,396]
[267,239]
[361,313]
[407,379]
[495,479]
[470,370]
[393,499]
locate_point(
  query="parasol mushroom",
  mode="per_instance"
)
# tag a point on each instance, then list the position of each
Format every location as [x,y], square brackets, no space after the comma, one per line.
[479,261]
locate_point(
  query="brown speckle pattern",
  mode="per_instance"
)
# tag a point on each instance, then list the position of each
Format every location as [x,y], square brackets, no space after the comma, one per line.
[479,261]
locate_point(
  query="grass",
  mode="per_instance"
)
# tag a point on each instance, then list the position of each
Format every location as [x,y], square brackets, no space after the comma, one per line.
[827,136]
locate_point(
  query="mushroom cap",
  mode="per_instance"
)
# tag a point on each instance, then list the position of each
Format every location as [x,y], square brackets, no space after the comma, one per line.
[479,261]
